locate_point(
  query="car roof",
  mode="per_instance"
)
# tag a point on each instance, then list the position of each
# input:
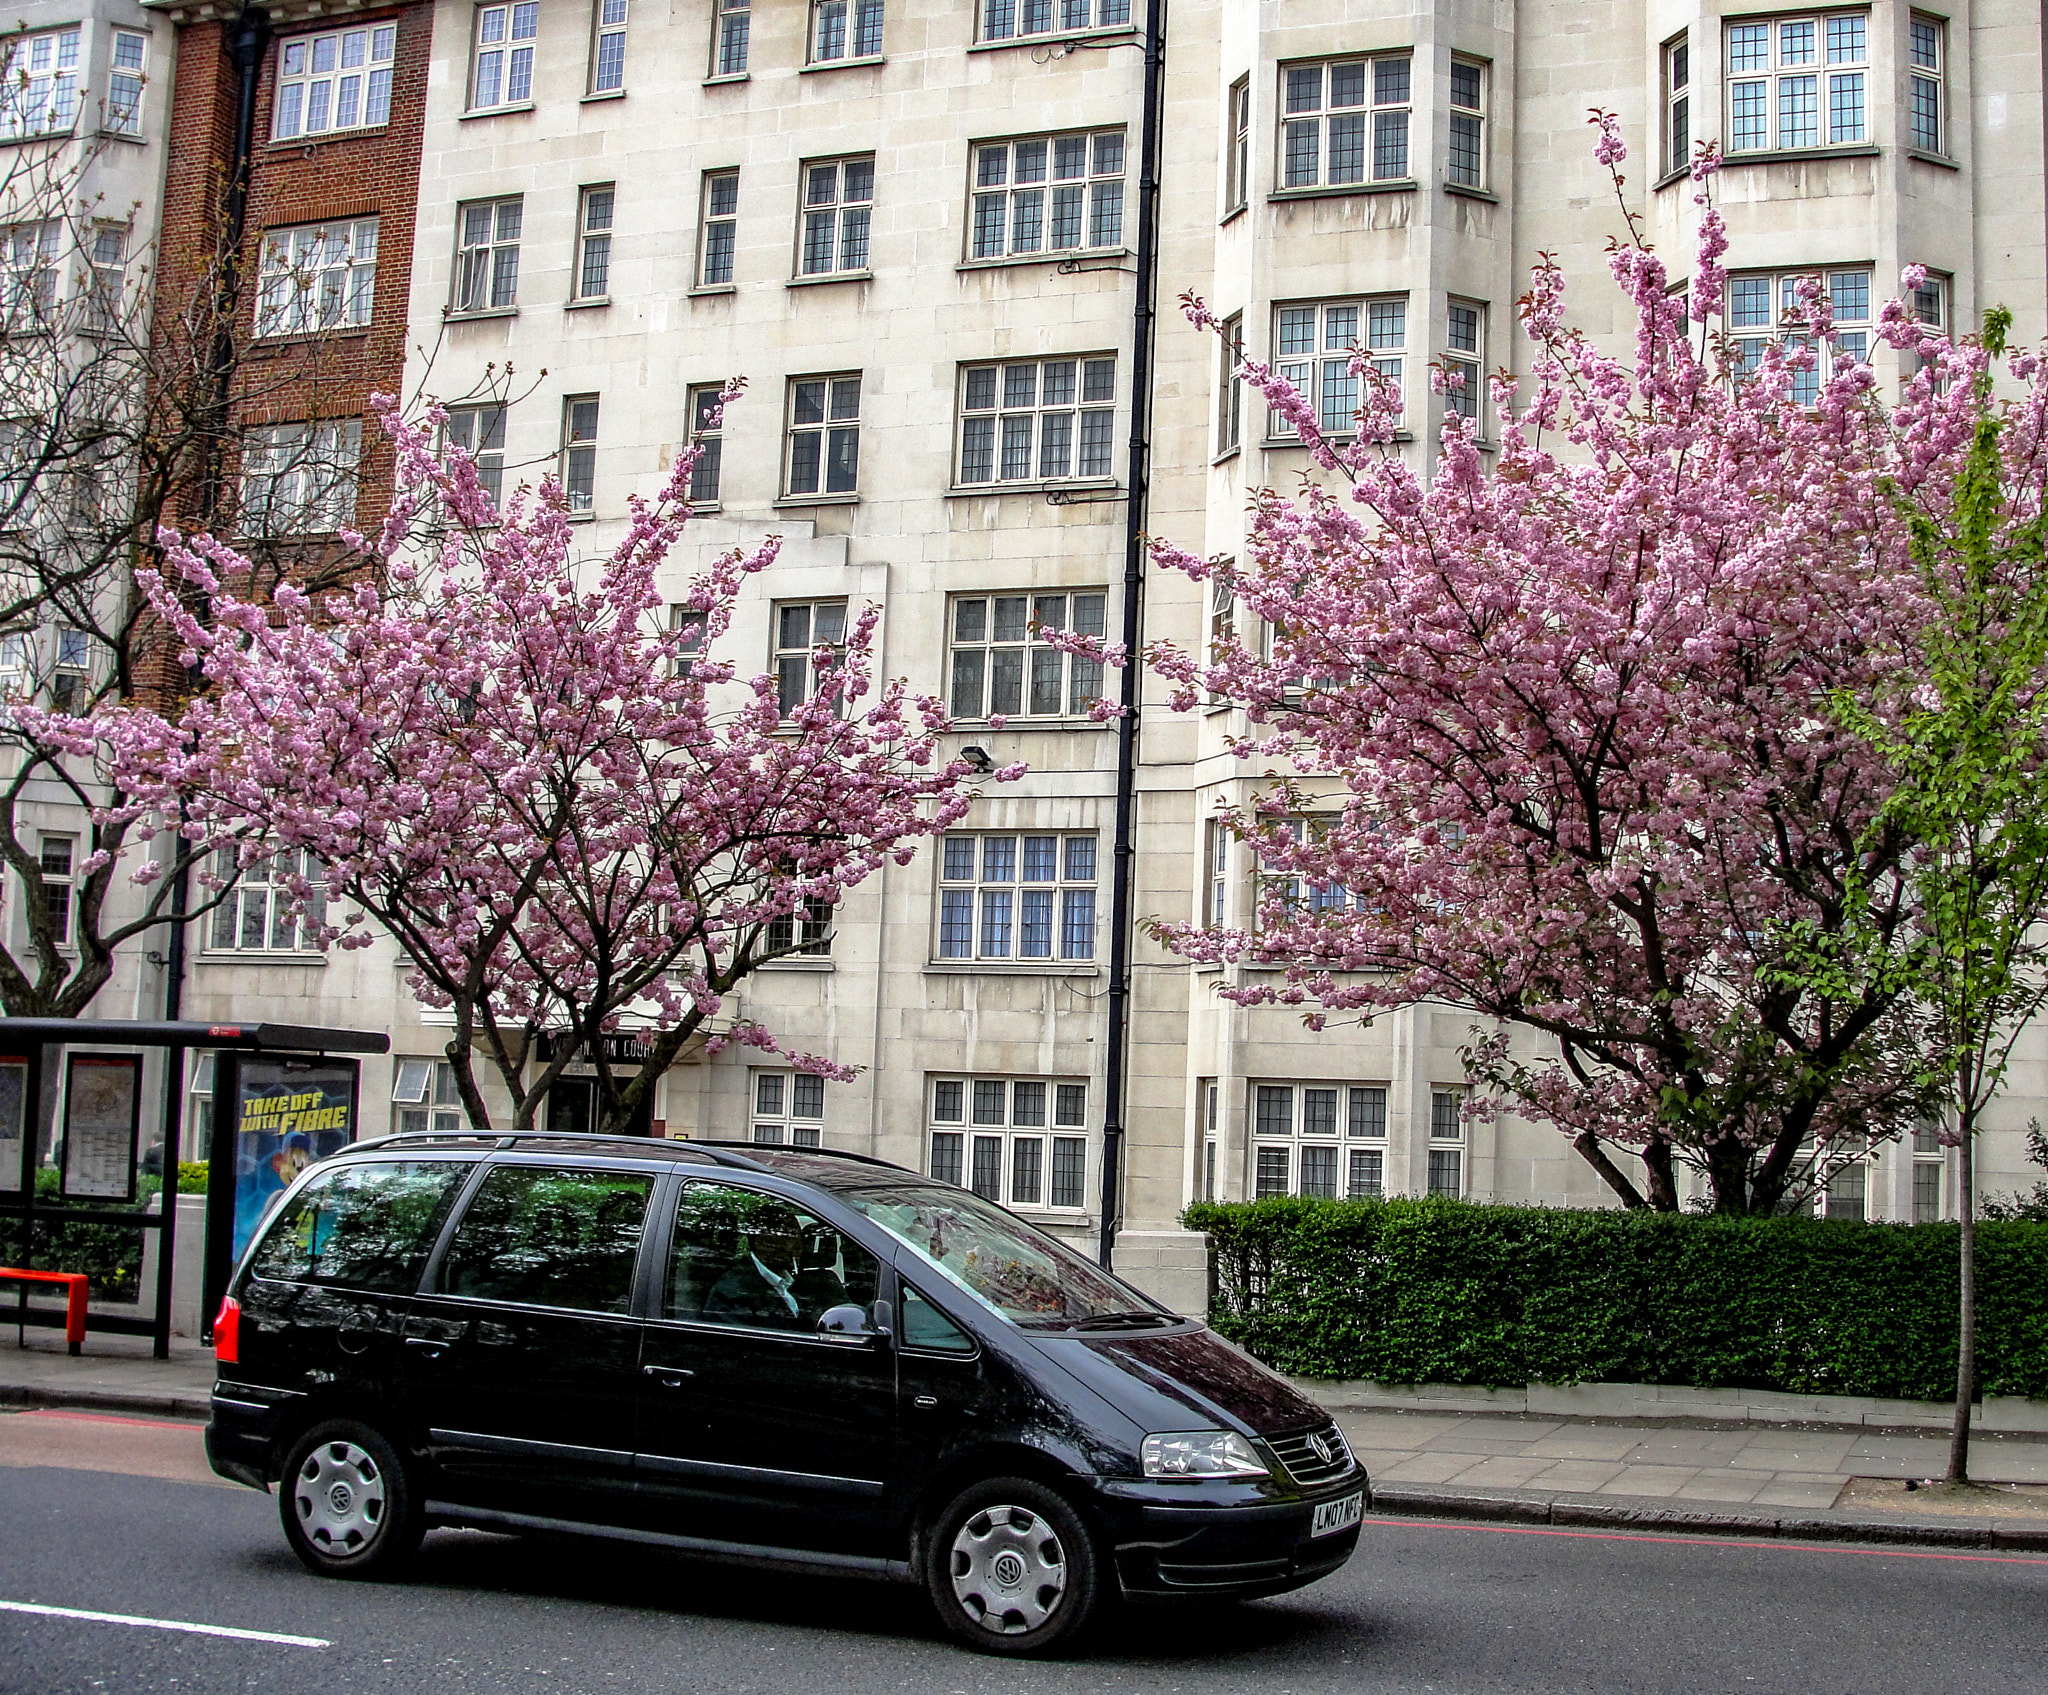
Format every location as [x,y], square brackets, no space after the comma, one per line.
[828,1168]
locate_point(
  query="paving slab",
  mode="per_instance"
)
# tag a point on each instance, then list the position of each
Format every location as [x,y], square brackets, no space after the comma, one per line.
[1649,1480]
[1587,1444]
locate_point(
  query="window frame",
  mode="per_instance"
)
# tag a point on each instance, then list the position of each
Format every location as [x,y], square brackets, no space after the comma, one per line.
[1090,435]
[1320,359]
[261,888]
[589,233]
[115,118]
[732,29]
[790,1125]
[505,49]
[317,446]
[487,453]
[378,71]
[798,660]
[1675,67]
[845,216]
[54,90]
[1030,178]
[699,398]
[1825,72]
[712,222]
[605,29]
[1069,676]
[1358,1125]
[859,38]
[1237,181]
[833,431]
[1065,915]
[1448,1146]
[1061,1104]
[1019,19]
[435,1099]
[1369,109]
[1932,78]
[1469,401]
[1807,386]
[106,277]
[578,465]
[1478,116]
[1230,387]
[292,297]
[59,883]
[492,269]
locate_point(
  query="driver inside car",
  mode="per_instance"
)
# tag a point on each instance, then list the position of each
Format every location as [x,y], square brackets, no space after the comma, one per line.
[768,1287]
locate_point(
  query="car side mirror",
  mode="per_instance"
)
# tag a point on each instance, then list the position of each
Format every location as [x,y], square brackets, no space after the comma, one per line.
[846,1323]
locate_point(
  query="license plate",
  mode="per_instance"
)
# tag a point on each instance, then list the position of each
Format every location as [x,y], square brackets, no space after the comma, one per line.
[1333,1516]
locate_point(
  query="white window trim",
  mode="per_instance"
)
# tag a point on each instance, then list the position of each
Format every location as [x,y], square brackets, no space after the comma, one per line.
[1774,74]
[1355,1127]
[374,76]
[981,912]
[792,1128]
[1319,361]
[1074,672]
[291,283]
[1087,417]
[996,207]
[1062,1097]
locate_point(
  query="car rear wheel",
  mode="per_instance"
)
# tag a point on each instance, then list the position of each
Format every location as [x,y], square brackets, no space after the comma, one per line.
[347,1501]
[1013,1569]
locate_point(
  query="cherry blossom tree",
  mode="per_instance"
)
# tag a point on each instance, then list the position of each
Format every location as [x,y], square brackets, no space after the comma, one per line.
[1548,728]
[566,809]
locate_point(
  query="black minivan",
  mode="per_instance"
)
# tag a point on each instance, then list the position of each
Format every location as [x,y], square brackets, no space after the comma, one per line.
[789,1358]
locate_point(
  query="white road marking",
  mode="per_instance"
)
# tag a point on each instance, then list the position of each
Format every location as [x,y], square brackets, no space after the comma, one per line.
[166,1624]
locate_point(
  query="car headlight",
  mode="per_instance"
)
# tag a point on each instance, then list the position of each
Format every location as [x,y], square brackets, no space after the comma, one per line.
[1202,1453]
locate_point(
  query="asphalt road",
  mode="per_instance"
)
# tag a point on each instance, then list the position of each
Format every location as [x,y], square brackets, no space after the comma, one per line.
[120,1517]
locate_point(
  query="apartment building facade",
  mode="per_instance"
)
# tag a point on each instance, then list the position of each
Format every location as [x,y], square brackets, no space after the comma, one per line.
[912,226]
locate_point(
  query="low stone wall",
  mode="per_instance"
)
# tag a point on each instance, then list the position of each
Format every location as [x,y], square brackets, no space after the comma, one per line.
[1650,1401]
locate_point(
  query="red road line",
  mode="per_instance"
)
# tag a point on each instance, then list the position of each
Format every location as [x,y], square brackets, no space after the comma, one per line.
[106,1418]
[1789,1545]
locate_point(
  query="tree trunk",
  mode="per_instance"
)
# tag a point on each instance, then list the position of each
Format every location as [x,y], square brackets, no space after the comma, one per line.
[1966,1340]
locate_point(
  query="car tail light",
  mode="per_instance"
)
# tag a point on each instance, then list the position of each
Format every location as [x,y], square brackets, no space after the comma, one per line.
[227,1332]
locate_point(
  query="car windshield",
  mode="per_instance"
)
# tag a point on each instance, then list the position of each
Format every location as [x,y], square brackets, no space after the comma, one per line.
[1027,1277]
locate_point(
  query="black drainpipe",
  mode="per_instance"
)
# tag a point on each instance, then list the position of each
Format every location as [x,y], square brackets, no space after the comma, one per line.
[1123,860]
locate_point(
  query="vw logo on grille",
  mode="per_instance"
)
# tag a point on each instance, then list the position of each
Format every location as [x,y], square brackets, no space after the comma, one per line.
[1325,1450]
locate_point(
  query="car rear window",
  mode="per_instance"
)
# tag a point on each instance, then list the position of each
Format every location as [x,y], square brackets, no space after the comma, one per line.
[366,1227]
[550,1236]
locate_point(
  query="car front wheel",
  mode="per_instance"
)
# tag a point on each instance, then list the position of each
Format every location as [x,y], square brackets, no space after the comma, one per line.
[347,1502]
[1013,1569]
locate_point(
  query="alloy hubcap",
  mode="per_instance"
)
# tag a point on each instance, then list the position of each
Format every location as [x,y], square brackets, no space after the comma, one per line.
[339,1496]
[1009,1570]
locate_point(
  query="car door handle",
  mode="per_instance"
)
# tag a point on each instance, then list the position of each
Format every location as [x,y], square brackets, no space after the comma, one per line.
[427,1346]
[925,1403]
[668,1376]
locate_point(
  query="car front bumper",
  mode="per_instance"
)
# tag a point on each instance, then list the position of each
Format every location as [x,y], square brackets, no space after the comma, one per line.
[1176,1543]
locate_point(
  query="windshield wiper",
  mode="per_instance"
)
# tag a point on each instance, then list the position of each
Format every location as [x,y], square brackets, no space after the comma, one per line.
[1134,1317]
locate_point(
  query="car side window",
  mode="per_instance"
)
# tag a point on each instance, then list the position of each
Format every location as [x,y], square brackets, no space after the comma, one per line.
[759,1262]
[924,1326]
[550,1236]
[367,1227]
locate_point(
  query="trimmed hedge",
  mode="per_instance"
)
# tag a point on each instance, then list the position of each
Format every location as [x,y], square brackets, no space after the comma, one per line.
[1438,1291]
[110,1256]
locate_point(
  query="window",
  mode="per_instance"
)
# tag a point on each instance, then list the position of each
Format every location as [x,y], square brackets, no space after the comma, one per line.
[1757,304]
[424,1098]
[1847,1193]
[71,678]
[1047,194]
[801,629]
[991,1135]
[1028,897]
[30,251]
[754,1261]
[925,1327]
[688,623]
[1237,181]
[1312,346]
[803,934]
[1230,386]
[106,288]
[317,277]
[1037,421]
[1004,20]
[366,1227]
[1002,667]
[551,1237]
[579,451]
[480,432]
[730,25]
[1277,883]
[487,263]
[839,199]
[706,427]
[125,77]
[1329,110]
[594,243]
[1208,1096]
[502,71]
[1465,358]
[1216,846]
[38,83]
[53,859]
[824,434]
[258,913]
[1303,1136]
[789,1108]
[1677,104]
[1929,1165]
[608,47]
[1467,165]
[335,82]
[300,478]
[1923,108]
[1797,82]
[829,37]
[1446,1136]
[721,217]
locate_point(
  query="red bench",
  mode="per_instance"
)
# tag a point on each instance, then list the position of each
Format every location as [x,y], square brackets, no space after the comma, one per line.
[74,1303]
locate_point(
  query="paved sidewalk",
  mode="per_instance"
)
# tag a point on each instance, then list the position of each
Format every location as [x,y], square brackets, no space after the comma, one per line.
[114,1374]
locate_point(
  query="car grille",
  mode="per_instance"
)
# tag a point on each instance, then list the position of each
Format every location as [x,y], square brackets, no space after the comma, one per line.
[1298,1454]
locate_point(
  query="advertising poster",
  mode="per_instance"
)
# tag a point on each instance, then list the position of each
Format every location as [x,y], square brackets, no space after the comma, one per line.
[102,1100]
[13,1120]
[288,1114]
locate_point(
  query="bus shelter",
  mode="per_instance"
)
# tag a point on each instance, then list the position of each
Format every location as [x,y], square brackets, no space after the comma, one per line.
[284,1095]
